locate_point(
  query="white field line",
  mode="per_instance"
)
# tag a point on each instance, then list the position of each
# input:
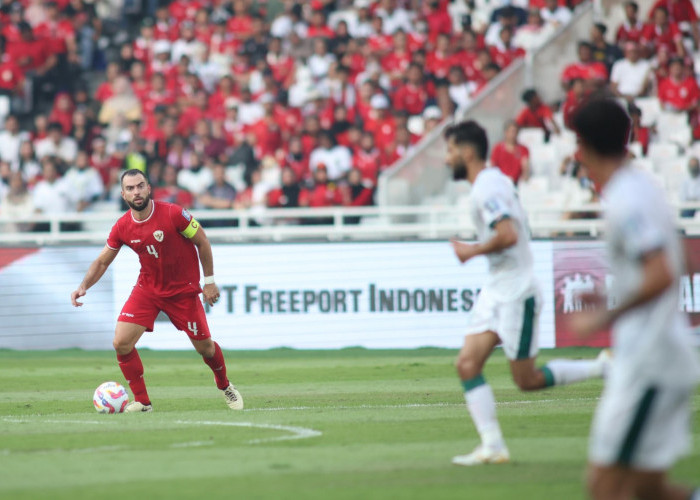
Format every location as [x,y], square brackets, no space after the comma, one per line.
[297,432]
[415,405]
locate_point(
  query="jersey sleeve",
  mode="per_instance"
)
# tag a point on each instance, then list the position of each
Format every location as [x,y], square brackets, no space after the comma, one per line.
[493,207]
[114,241]
[638,233]
[183,221]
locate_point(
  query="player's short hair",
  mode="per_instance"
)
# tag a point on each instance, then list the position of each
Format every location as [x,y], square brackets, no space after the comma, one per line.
[471,133]
[131,173]
[604,126]
[634,5]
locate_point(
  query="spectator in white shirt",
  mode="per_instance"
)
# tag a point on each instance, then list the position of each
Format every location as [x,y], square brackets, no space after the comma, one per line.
[15,203]
[84,182]
[10,140]
[52,194]
[249,112]
[56,144]
[690,188]
[395,18]
[186,45]
[337,159]
[630,77]
[460,89]
[320,61]
[553,13]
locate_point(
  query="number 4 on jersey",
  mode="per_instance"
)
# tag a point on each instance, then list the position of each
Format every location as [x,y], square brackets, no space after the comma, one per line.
[152,250]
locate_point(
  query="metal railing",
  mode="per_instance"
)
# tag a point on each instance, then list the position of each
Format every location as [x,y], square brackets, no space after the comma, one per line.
[326,224]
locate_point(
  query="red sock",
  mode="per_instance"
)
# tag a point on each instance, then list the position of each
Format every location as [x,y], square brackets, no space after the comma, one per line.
[132,368]
[218,366]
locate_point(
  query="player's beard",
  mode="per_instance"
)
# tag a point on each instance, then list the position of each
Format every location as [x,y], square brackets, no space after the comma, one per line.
[140,206]
[459,171]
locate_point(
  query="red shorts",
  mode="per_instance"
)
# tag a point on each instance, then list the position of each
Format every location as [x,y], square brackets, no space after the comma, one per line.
[185,312]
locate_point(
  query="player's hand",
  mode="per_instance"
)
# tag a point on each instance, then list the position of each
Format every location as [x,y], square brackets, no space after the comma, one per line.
[211,294]
[463,251]
[80,292]
[586,323]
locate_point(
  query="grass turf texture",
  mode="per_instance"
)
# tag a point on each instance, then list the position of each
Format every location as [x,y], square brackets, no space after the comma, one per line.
[390,421]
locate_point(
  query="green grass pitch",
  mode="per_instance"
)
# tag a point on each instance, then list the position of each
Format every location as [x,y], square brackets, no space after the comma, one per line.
[352,423]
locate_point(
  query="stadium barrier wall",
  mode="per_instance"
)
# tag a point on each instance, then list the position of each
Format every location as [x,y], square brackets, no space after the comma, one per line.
[306,296]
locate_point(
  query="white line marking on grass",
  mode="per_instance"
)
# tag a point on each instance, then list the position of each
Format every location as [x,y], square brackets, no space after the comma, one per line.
[297,432]
[414,405]
[192,444]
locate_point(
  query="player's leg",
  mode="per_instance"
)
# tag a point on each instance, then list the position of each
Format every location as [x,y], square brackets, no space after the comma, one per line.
[136,317]
[125,337]
[519,330]
[187,314]
[610,483]
[654,485]
[480,400]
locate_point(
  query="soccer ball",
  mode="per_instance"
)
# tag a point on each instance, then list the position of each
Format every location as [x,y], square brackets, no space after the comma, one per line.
[110,397]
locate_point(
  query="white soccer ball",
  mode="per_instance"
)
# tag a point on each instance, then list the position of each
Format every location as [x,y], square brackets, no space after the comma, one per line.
[110,397]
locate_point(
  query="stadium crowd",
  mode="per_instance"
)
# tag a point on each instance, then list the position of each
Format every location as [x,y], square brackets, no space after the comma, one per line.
[650,62]
[235,103]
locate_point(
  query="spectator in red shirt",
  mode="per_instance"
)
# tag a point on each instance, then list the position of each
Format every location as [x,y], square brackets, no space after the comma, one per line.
[413,95]
[438,20]
[678,92]
[503,53]
[631,29]
[397,61]
[11,29]
[681,12]
[323,193]
[318,26]
[380,122]
[31,53]
[439,61]
[662,32]
[296,159]
[367,159]
[594,73]
[241,23]
[105,89]
[536,114]
[574,98]
[638,133]
[57,30]
[511,158]
[11,75]
[356,193]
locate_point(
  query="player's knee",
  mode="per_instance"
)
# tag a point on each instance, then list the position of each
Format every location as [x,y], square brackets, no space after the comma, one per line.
[122,348]
[467,367]
[527,383]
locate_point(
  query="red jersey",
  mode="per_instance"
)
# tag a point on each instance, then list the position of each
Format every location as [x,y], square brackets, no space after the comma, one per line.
[534,119]
[169,262]
[679,96]
[679,11]
[629,33]
[509,162]
[657,37]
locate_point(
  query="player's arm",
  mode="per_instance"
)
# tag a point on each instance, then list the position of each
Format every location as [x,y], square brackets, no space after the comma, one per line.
[199,238]
[94,273]
[505,236]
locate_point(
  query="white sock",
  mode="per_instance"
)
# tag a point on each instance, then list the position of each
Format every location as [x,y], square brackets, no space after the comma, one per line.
[482,407]
[568,371]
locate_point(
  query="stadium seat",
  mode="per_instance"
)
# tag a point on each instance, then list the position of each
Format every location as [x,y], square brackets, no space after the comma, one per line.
[673,127]
[544,159]
[531,137]
[650,107]
[661,152]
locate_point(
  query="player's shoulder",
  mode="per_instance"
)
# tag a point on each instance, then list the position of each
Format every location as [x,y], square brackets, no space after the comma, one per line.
[633,189]
[492,180]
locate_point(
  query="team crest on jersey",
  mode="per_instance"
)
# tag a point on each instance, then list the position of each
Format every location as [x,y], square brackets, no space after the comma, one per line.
[158,235]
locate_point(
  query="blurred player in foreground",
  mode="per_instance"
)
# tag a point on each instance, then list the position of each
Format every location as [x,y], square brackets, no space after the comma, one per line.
[166,238]
[642,424]
[507,310]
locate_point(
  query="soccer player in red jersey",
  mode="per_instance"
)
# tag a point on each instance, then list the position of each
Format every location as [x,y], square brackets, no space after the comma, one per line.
[167,239]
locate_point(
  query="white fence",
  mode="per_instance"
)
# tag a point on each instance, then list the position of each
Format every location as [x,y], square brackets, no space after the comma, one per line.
[329,224]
